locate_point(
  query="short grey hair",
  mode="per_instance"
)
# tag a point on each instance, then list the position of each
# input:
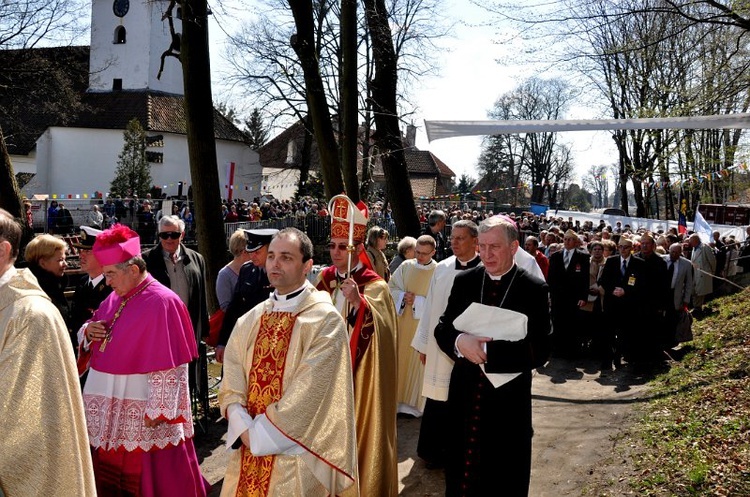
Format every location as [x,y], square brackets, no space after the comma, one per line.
[435,217]
[406,243]
[469,225]
[508,228]
[172,220]
[135,261]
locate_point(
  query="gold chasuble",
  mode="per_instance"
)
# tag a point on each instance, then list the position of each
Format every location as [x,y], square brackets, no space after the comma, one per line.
[294,367]
[373,347]
[44,447]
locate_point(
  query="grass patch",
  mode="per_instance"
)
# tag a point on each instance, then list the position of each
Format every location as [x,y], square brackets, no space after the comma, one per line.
[693,438]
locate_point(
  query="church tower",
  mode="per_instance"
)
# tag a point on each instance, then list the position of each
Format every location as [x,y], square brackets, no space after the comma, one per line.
[127,40]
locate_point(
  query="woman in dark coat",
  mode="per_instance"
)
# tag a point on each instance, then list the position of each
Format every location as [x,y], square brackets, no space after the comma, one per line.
[45,255]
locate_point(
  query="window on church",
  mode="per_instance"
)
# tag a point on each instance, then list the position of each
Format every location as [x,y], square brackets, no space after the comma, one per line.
[155,157]
[291,151]
[117,84]
[120,35]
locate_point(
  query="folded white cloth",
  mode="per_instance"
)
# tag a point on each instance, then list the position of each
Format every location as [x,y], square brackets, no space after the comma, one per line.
[496,323]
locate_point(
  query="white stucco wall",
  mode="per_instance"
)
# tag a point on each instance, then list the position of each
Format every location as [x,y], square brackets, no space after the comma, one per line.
[81,161]
[137,61]
[281,183]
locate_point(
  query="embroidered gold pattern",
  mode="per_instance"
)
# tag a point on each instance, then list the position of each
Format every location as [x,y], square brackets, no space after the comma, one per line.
[264,387]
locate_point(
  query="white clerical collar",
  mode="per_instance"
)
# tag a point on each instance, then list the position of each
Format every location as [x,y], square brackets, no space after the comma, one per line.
[289,300]
[425,266]
[354,270]
[97,280]
[6,277]
[466,263]
[497,278]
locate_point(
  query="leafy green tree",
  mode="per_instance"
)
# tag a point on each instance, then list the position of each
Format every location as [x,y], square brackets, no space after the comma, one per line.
[133,174]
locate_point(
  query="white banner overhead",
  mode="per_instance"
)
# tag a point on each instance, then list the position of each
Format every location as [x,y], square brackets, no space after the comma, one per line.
[437,130]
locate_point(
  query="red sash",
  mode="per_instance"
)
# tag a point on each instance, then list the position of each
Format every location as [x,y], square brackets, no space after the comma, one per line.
[264,387]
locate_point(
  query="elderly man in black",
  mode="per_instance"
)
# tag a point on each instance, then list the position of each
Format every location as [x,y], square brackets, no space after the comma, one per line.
[489,444]
[568,278]
[622,280]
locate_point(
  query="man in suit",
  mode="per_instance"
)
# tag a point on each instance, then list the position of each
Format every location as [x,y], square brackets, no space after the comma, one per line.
[184,272]
[704,262]
[489,443]
[651,337]
[680,275]
[622,283]
[435,224]
[91,289]
[568,279]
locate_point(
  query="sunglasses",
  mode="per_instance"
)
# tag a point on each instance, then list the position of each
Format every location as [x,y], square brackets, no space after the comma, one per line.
[174,235]
[340,246]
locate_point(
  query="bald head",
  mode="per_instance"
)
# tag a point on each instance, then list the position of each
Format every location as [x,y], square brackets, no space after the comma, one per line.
[675,251]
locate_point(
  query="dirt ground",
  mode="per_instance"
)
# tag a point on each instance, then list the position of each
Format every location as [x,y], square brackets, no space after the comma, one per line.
[578,415]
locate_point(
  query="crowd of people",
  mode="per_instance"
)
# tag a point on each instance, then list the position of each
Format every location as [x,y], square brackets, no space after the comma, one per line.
[317,367]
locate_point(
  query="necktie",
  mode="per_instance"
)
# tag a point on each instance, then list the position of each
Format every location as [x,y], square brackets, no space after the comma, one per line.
[670,271]
[173,257]
[567,258]
[624,266]
[90,285]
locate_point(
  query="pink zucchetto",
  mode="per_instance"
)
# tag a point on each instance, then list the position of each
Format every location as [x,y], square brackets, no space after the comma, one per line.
[115,245]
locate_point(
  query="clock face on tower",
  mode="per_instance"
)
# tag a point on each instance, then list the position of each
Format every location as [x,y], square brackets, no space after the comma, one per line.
[120,7]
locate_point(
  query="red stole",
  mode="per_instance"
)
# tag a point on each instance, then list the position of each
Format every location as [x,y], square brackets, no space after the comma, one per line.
[264,386]
[364,326]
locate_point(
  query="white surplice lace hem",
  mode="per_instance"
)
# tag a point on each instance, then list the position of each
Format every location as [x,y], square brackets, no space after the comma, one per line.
[117,405]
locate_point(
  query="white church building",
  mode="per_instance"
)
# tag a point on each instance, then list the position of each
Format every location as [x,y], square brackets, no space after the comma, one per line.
[78,158]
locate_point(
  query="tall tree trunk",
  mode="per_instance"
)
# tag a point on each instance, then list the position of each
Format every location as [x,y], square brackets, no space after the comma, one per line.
[10,194]
[199,114]
[303,43]
[348,106]
[388,134]
[303,187]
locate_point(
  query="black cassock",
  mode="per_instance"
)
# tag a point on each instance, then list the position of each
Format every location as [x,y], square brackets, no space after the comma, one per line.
[489,443]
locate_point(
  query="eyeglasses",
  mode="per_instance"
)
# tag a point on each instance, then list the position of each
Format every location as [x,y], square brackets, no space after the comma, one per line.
[340,246]
[174,235]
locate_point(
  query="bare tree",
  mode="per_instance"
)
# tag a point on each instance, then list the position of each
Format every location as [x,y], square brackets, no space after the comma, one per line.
[652,58]
[303,43]
[534,157]
[23,25]
[597,182]
[193,54]
[264,64]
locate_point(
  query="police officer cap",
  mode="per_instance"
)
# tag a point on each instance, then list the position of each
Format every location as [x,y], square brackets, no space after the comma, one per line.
[86,238]
[257,238]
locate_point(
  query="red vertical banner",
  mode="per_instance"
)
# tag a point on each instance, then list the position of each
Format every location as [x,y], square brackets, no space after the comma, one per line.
[230,180]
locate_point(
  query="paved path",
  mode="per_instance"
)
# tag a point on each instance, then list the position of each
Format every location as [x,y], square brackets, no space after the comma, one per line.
[577,413]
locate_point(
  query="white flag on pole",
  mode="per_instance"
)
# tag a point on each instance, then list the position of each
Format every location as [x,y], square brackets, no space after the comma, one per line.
[701,227]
